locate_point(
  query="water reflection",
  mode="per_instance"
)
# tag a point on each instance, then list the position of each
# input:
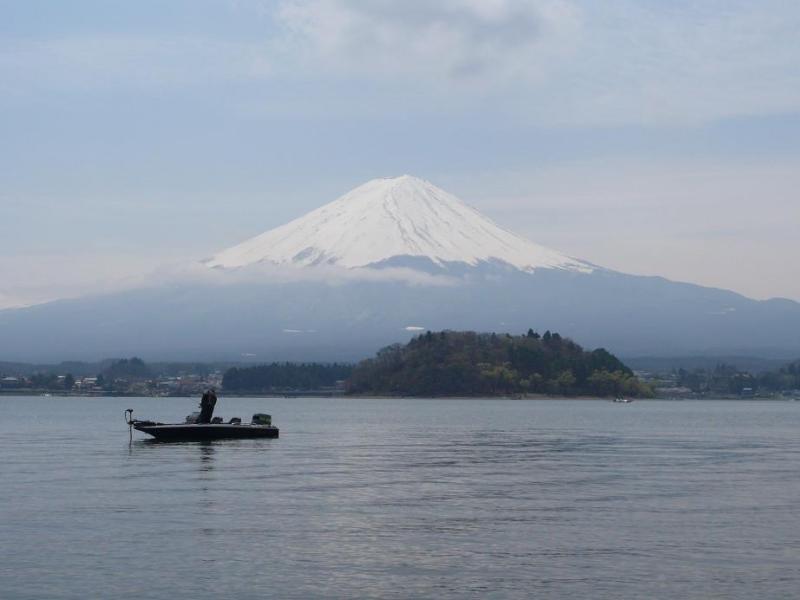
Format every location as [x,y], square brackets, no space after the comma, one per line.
[193,457]
[207,451]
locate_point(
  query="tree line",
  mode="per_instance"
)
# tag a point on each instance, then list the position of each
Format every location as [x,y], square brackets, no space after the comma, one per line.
[285,376]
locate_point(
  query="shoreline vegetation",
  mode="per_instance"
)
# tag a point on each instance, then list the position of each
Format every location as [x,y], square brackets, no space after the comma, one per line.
[445,364]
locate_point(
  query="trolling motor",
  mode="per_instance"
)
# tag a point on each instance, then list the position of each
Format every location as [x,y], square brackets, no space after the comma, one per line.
[129,421]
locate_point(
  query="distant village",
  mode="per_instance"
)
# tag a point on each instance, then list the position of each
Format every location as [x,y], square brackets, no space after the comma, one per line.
[113,377]
[67,384]
[134,377]
[724,381]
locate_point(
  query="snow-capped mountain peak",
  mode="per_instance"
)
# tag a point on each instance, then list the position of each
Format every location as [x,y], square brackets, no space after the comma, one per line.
[389,218]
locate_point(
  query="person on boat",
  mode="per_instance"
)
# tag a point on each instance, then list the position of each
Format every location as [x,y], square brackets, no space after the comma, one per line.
[207,403]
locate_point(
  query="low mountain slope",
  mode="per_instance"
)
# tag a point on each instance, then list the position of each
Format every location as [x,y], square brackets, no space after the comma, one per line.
[308,320]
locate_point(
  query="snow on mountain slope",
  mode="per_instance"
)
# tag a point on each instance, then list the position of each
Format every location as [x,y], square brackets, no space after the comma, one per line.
[392,217]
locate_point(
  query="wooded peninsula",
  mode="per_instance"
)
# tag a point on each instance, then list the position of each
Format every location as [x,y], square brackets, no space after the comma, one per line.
[454,363]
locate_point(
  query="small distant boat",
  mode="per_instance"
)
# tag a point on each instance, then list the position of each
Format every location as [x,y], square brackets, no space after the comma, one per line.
[191,431]
[623,400]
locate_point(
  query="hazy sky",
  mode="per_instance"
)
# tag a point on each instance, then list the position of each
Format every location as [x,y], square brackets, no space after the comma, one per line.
[650,136]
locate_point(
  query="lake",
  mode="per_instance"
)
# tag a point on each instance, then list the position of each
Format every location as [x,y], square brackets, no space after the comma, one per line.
[403,498]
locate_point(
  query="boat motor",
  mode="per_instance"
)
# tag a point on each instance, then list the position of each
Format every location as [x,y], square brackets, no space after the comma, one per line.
[262,419]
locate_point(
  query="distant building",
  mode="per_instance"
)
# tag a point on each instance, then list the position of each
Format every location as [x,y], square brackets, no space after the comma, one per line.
[10,382]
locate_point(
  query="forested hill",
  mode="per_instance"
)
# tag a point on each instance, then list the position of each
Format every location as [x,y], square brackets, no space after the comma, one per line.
[452,363]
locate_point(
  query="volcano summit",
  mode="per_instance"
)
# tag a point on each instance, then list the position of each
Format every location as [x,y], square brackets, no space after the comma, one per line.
[385,219]
[385,260]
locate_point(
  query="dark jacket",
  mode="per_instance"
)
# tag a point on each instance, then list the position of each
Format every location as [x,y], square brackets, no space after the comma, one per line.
[207,403]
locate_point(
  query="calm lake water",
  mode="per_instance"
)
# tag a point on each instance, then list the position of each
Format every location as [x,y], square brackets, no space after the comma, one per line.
[403,499]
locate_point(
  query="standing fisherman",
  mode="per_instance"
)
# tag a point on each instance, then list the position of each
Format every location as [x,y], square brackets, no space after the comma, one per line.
[207,403]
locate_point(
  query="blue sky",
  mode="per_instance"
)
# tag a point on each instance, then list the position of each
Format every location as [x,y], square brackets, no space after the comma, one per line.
[650,137]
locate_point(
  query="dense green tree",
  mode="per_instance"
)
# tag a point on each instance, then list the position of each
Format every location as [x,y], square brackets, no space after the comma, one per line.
[284,377]
[44,381]
[127,368]
[467,363]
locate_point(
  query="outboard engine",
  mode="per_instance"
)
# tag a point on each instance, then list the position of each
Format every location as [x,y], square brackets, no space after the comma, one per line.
[262,419]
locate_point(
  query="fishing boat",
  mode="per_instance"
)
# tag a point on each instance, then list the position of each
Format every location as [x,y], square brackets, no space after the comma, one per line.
[199,426]
[199,432]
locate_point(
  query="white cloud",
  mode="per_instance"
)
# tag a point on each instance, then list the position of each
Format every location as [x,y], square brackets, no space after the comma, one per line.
[559,62]
[35,279]
[472,41]
[548,62]
[265,272]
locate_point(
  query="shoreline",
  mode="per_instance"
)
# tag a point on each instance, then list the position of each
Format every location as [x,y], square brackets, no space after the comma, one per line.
[61,394]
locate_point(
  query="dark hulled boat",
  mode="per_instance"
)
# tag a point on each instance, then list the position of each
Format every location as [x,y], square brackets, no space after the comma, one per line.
[201,427]
[196,432]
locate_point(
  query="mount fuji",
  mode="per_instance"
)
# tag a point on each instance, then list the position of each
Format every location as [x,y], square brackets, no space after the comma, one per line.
[390,258]
[385,219]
